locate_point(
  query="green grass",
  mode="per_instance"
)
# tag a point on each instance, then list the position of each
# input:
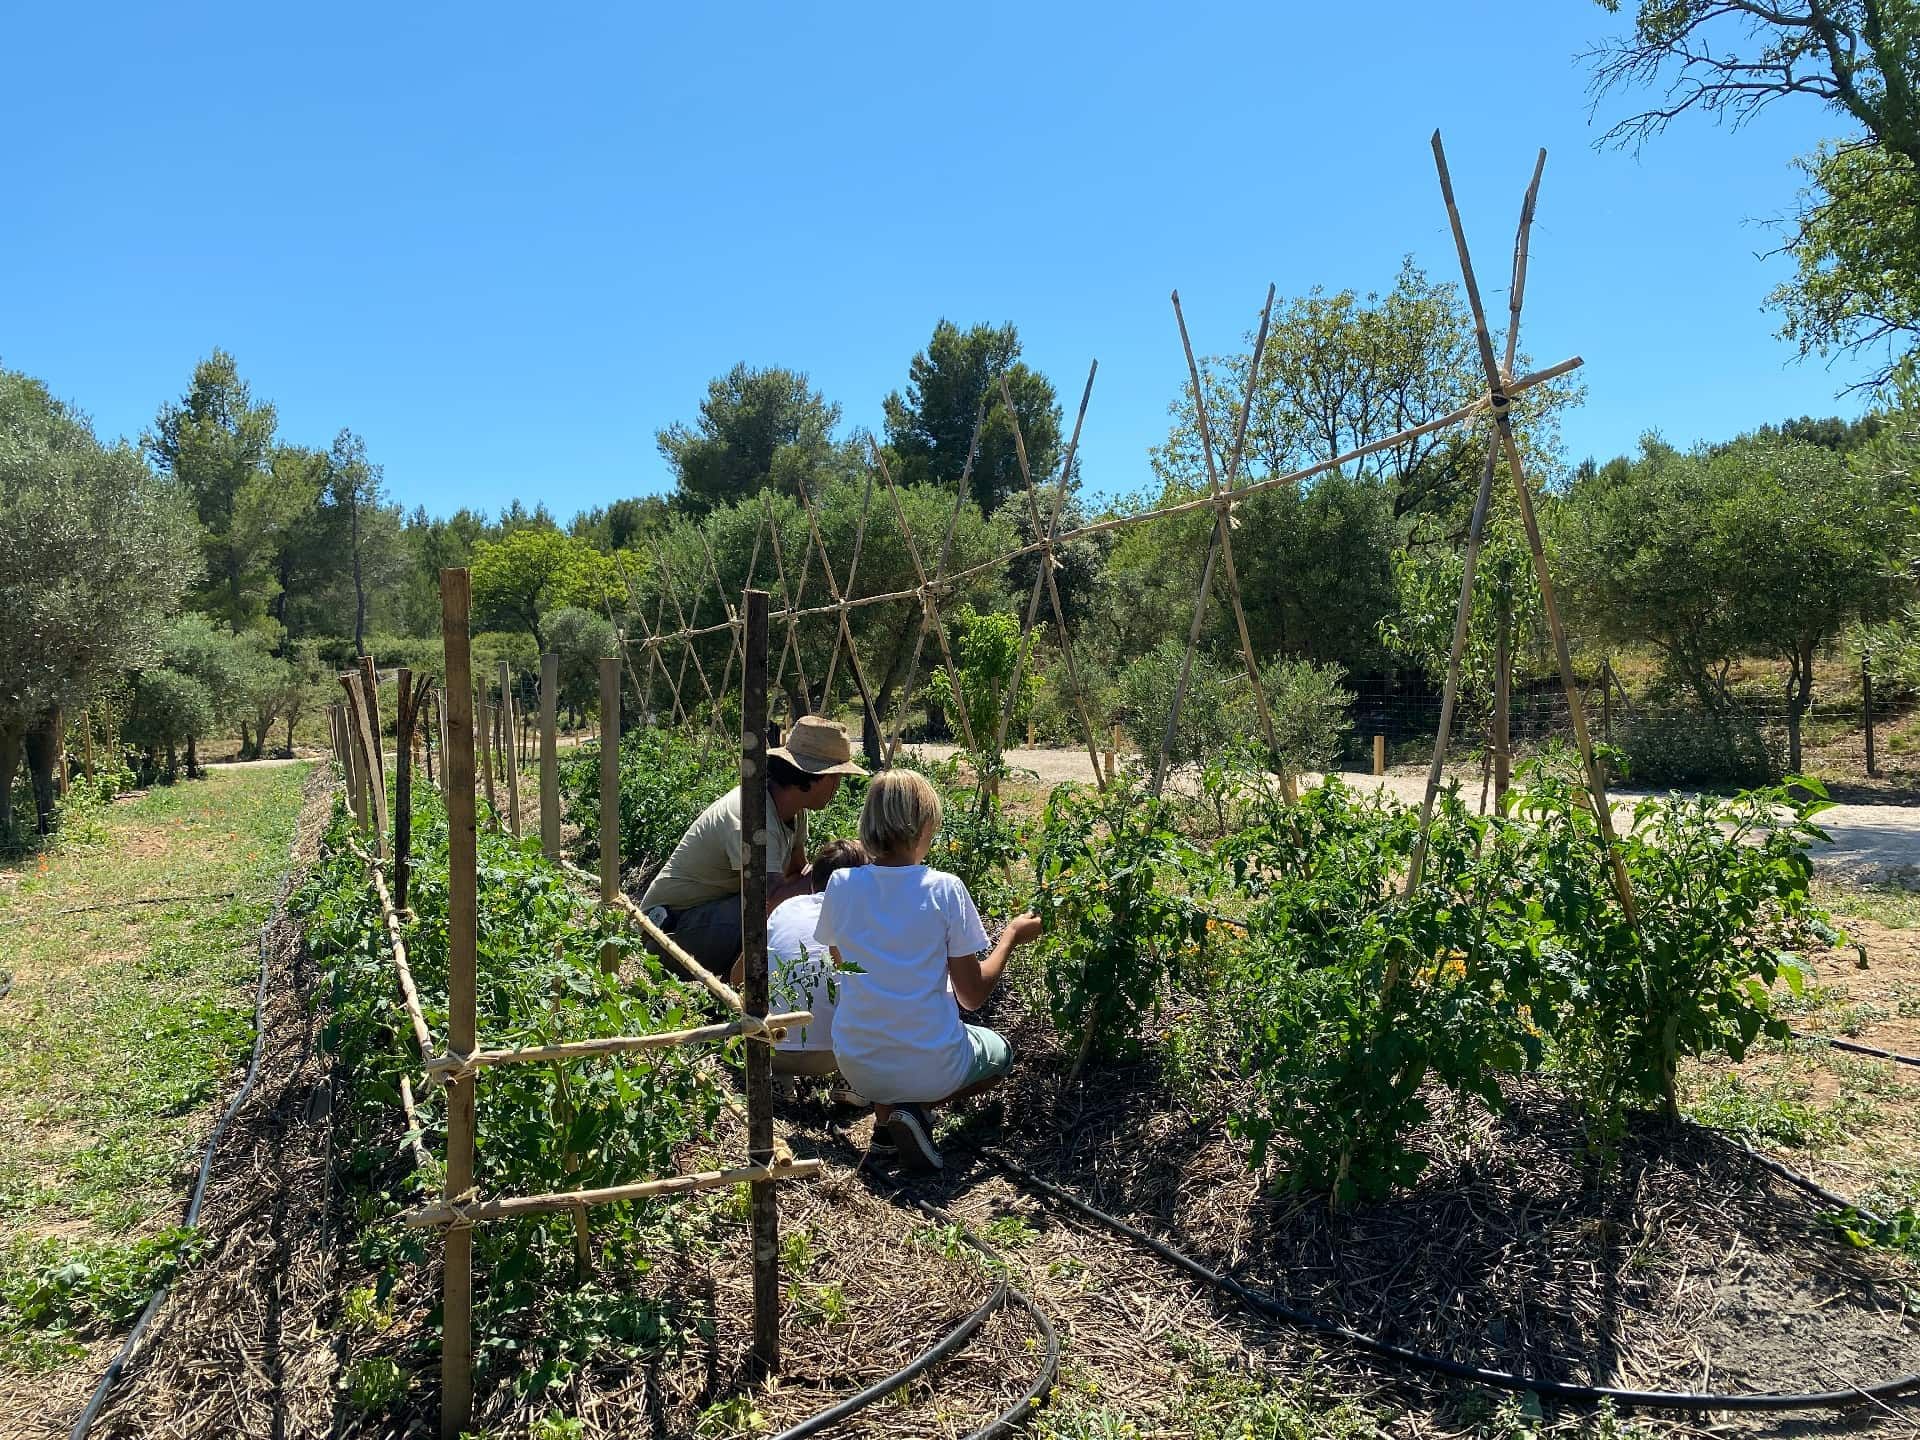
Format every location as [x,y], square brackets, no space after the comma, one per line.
[1895,908]
[126,1024]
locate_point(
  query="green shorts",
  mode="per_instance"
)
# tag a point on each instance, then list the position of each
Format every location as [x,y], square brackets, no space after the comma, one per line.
[992,1055]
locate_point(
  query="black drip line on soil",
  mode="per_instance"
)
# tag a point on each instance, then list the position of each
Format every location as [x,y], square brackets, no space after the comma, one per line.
[1902,1388]
[159,1297]
[1005,1294]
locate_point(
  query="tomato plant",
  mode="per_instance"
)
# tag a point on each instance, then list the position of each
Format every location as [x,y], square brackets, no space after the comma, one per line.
[1114,875]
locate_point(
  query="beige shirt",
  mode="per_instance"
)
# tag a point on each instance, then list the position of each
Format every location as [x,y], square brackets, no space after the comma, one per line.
[707,862]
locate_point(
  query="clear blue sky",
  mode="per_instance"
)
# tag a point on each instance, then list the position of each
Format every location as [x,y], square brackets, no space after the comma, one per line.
[507,244]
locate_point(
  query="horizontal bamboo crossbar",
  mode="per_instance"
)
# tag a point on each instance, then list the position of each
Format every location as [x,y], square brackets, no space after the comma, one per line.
[774,1028]
[719,988]
[429,1216]
[1220,502]
[409,996]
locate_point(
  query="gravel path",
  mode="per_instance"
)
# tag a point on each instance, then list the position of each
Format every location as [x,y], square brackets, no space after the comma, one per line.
[1872,844]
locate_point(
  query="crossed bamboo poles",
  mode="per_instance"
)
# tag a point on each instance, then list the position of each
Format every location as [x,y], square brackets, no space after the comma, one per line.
[1225,490]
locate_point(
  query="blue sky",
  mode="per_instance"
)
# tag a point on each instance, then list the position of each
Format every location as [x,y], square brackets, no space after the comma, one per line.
[507,244]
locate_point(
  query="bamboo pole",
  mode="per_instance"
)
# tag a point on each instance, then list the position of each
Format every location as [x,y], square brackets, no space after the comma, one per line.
[550,755]
[929,605]
[664,943]
[846,634]
[688,651]
[429,1216]
[1222,524]
[853,574]
[511,755]
[403,786]
[1223,518]
[1113,523]
[929,612]
[791,599]
[456,1347]
[403,971]
[609,798]
[1044,574]
[764,1202]
[774,1028]
[1049,529]
[1523,498]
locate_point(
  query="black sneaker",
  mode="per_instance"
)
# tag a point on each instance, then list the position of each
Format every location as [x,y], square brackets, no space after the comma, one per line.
[912,1131]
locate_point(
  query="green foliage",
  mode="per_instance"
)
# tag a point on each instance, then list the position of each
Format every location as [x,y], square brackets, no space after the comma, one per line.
[1308,705]
[1662,745]
[666,779]
[168,710]
[55,1291]
[1209,713]
[986,653]
[532,570]
[754,425]
[1113,874]
[540,1128]
[372,1384]
[1428,581]
[930,426]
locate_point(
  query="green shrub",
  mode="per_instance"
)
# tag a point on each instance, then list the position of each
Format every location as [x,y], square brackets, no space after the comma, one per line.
[1209,715]
[1687,747]
[1309,707]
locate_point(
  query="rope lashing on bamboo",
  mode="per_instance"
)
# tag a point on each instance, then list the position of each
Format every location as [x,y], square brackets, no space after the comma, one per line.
[465,1212]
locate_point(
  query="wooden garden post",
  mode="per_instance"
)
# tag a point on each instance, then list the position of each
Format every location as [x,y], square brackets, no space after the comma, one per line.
[403,788]
[549,757]
[1503,689]
[609,797]
[456,1344]
[376,761]
[764,1206]
[86,740]
[369,781]
[1866,710]
[511,752]
[1379,754]
[483,729]
[426,731]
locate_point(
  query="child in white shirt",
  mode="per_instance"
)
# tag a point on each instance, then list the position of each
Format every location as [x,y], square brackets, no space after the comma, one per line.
[801,970]
[916,945]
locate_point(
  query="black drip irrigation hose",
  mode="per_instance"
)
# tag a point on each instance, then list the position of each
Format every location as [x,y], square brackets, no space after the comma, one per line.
[159,1297]
[1856,1048]
[1005,1293]
[1893,1391]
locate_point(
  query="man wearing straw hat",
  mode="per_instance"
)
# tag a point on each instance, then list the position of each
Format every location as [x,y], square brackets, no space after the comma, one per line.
[696,896]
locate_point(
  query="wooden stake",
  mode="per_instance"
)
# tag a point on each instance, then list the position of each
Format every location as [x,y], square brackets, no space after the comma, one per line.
[1050,529]
[1503,691]
[440,716]
[357,745]
[609,798]
[426,730]
[376,760]
[1379,754]
[550,756]
[463,920]
[483,732]
[764,1205]
[86,741]
[512,752]
[403,787]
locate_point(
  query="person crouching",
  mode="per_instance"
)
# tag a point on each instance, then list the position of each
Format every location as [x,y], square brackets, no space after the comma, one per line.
[915,944]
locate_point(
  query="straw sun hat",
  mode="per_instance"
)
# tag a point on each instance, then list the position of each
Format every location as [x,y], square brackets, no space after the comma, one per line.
[819,747]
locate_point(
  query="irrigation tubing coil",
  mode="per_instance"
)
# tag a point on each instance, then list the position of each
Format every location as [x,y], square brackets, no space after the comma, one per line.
[118,1364]
[1005,1294]
[1885,1392]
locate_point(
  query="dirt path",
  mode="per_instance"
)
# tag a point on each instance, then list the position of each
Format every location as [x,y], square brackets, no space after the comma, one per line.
[1872,844]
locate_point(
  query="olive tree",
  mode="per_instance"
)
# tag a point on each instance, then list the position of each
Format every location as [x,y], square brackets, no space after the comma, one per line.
[95,551]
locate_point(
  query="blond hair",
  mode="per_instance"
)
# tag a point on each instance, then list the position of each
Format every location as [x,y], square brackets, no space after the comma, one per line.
[900,806]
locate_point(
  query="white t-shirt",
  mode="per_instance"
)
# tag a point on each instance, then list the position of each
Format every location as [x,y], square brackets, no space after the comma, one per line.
[800,965]
[897,1033]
